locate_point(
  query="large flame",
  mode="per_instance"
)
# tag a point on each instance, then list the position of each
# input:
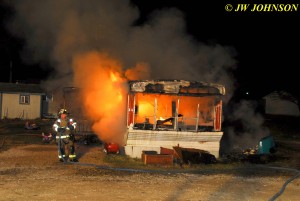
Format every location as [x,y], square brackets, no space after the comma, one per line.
[103,90]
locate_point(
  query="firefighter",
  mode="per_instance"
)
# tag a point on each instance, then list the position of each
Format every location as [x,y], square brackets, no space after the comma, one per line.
[65,139]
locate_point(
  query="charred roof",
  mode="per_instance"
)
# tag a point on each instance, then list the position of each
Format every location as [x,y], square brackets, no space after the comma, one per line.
[179,87]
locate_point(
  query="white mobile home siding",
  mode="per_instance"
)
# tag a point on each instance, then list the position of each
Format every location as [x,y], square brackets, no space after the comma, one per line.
[11,107]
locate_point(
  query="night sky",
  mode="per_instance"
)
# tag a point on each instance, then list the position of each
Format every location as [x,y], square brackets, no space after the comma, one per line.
[266,44]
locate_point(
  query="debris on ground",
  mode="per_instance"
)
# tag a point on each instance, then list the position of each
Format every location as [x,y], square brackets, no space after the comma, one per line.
[178,155]
[47,137]
[111,148]
[263,152]
[31,126]
[194,156]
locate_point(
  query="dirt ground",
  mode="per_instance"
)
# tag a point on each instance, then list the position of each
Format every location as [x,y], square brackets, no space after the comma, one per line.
[30,171]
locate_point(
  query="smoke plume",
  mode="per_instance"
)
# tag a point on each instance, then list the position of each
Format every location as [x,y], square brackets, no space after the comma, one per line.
[86,42]
[245,127]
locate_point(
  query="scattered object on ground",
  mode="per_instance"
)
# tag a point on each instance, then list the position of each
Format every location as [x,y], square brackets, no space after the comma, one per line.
[31,126]
[47,137]
[188,155]
[151,157]
[111,148]
[263,152]
[194,156]
[267,145]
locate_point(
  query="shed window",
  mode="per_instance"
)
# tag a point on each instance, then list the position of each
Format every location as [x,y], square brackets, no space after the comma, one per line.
[24,99]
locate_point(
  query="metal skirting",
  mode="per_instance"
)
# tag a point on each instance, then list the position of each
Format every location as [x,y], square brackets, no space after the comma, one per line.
[151,140]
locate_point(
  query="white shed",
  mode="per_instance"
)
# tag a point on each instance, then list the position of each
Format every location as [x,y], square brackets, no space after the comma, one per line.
[23,101]
[281,103]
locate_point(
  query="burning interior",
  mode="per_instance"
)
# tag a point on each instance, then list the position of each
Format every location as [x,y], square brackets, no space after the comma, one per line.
[167,113]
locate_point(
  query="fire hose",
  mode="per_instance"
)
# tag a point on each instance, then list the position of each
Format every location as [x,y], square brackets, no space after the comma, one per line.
[286,182]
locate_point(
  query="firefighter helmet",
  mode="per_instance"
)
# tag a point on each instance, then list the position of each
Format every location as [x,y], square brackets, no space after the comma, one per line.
[62,111]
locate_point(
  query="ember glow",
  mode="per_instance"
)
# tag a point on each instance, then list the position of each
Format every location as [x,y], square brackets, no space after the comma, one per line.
[103,90]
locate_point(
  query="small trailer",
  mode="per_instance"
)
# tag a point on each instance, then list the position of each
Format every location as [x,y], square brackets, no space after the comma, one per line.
[168,113]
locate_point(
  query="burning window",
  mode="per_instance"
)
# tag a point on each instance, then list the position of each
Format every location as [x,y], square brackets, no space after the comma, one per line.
[172,105]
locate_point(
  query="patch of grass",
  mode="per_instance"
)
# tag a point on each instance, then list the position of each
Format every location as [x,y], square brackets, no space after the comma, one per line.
[123,161]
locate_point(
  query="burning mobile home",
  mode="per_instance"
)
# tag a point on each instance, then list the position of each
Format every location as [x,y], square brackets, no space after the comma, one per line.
[168,113]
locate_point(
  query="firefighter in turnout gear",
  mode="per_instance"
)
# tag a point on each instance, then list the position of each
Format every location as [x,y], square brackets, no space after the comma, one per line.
[65,139]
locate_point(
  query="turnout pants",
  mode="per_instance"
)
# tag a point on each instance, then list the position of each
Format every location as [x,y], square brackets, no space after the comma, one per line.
[66,147]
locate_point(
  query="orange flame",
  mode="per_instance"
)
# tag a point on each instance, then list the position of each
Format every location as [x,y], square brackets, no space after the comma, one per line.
[102,89]
[187,106]
[113,77]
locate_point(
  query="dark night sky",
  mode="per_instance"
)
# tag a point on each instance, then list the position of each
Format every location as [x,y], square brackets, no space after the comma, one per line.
[10,51]
[266,43]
